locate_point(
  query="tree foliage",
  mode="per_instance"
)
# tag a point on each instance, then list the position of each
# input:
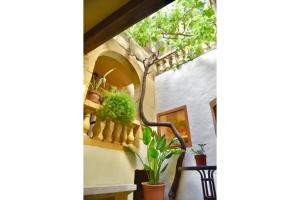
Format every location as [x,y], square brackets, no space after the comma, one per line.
[188,25]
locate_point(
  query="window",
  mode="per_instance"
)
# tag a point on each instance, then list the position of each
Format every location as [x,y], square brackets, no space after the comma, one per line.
[179,118]
[213,107]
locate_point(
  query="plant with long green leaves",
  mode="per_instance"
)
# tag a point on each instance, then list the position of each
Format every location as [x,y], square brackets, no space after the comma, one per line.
[98,81]
[158,151]
[199,151]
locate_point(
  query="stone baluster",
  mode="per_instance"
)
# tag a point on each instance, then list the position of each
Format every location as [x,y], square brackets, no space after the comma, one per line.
[182,54]
[177,57]
[117,133]
[130,139]
[98,130]
[161,66]
[107,132]
[90,133]
[86,122]
[102,126]
[123,135]
[157,66]
[164,65]
[170,61]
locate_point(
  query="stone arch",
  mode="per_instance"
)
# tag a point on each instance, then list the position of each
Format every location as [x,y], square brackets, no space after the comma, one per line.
[124,75]
[128,70]
[112,58]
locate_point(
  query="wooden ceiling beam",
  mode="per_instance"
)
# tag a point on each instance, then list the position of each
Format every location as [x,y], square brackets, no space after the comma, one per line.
[120,20]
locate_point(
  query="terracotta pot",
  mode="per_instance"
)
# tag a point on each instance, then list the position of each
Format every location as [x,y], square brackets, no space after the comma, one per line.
[153,192]
[93,96]
[200,159]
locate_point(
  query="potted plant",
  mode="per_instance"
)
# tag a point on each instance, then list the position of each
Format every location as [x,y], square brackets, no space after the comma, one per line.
[119,107]
[94,94]
[158,151]
[200,157]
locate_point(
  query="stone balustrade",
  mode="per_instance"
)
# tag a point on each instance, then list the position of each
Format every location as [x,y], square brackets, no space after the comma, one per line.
[114,132]
[102,133]
[177,58]
[166,64]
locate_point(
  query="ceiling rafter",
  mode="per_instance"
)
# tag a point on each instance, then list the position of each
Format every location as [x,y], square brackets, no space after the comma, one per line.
[120,20]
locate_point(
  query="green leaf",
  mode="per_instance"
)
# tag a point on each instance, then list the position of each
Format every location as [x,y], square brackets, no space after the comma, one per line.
[155,135]
[150,146]
[195,151]
[161,143]
[177,151]
[164,168]
[174,140]
[162,49]
[153,152]
[147,135]
[208,12]
[107,73]
[147,167]
[200,4]
[169,155]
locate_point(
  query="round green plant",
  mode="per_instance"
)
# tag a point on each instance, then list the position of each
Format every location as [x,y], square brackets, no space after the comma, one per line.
[118,106]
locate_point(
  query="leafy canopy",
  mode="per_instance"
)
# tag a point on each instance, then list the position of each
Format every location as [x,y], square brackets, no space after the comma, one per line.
[188,25]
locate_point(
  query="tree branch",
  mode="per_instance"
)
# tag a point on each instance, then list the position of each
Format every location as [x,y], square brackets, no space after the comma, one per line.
[166,35]
[133,55]
[189,10]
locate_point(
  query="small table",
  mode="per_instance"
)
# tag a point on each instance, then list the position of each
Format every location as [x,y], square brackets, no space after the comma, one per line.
[207,180]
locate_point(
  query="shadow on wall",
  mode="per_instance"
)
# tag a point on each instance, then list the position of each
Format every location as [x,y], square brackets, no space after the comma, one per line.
[132,159]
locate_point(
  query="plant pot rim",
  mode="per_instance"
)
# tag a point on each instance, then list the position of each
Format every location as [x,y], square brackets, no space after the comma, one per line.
[200,154]
[156,185]
[94,91]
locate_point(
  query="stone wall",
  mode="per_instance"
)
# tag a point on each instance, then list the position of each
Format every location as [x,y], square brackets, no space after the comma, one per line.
[194,85]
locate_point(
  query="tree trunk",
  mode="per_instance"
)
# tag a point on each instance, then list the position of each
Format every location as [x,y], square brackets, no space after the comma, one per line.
[174,187]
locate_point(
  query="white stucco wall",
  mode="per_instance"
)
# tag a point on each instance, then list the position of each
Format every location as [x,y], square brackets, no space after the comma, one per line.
[194,85]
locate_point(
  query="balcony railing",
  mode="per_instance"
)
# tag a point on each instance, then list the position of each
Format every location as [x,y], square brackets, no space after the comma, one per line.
[108,134]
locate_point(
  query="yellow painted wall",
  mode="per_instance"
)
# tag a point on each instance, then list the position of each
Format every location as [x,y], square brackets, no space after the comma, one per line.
[107,166]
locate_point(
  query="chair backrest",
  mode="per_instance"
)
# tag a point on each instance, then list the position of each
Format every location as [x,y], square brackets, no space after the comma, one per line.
[139,177]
